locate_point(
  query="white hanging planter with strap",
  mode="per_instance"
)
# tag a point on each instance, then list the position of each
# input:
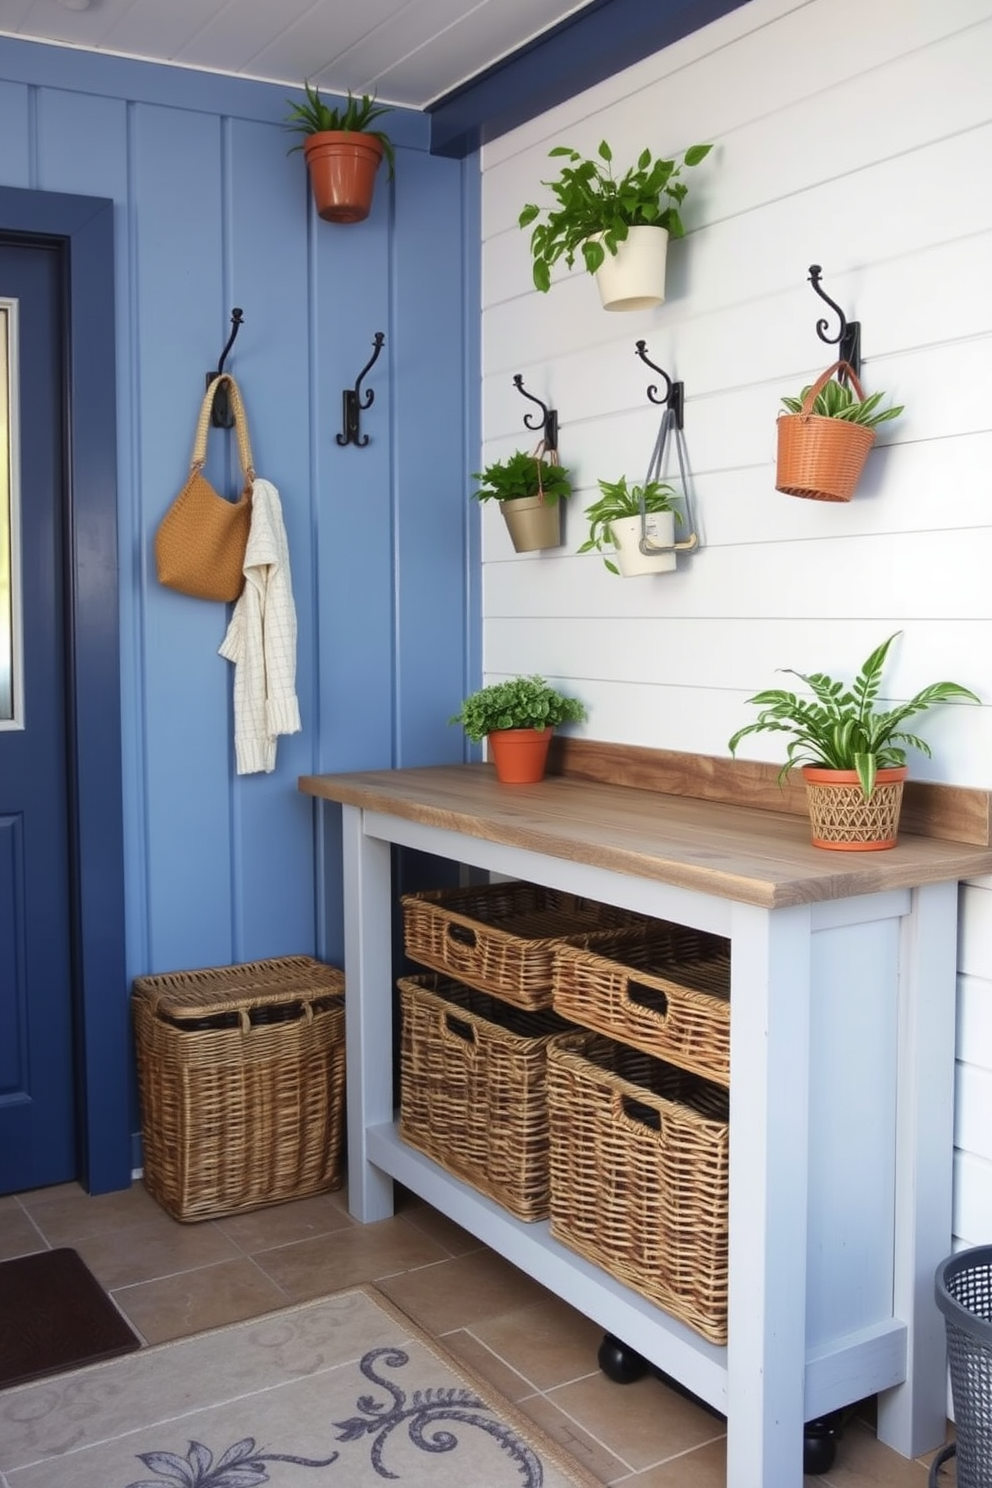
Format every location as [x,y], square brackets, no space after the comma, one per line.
[646,544]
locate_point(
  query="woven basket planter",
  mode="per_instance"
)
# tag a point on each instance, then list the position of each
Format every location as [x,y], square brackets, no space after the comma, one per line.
[840,816]
[821,458]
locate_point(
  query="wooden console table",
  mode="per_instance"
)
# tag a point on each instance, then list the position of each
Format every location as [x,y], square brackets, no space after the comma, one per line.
[842,1069]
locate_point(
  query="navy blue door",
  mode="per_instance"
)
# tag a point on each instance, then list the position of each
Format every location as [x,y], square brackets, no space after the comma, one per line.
[37,1141]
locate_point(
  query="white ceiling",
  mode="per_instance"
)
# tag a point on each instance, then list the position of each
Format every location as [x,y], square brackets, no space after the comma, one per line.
[407,52]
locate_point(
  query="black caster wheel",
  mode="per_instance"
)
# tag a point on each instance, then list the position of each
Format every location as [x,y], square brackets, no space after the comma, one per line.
[619,1363]
[820,1443]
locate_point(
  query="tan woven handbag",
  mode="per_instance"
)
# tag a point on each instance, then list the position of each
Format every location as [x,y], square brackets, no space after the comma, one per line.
[200,544]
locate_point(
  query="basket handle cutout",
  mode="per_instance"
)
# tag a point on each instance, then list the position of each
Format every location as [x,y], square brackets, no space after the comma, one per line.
[652,999]
[458,1028]
[636,1110]
[462,934]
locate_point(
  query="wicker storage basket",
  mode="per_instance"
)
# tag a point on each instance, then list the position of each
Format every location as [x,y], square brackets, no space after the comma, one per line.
[502,937]
[473,1082]
[665,990]
[241,1076]
[821,458]
[640,1161]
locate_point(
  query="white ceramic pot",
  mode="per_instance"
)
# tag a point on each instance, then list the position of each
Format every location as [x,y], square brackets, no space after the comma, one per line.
[626,534]
[634,277]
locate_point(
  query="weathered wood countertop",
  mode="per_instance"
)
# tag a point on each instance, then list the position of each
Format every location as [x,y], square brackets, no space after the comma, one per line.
[742,852]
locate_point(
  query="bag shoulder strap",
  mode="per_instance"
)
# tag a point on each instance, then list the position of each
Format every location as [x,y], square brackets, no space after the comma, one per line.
[240,428]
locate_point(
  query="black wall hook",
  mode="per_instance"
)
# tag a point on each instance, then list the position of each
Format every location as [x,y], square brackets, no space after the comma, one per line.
[848,338]
[675,395]
[353,402]
[221,413]
[549,419]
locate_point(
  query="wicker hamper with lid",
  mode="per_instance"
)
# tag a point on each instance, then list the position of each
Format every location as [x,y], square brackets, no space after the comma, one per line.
[640,1174]
[241,1073]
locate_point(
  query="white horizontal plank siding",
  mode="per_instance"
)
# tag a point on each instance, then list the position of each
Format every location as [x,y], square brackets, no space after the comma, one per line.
[870,160]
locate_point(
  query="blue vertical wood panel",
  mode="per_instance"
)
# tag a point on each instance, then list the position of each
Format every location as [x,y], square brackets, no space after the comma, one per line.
[352,490]
[434,384]
[177,189]
[267,273]
[15,169]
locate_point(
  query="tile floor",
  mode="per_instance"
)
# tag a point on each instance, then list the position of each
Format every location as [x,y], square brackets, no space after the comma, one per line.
[173,1279]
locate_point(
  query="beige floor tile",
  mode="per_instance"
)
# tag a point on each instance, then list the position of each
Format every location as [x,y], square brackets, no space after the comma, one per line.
[466,1347]
[703,1467]
[347,1257]
[549,1343]
[862,1461]
[18,1235]
[464,1291]
[68,1213]
[590,1453]
[438,1227]
[175,1306]
[158,1247]
[643,1423]
[284,1224]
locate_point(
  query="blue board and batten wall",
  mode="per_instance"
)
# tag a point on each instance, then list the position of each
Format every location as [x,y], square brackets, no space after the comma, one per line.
[211,212]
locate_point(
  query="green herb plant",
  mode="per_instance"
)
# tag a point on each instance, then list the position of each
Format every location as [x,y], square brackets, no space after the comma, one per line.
[520,702]
[314,116]
[836,400]
[594,210]
[523,475]
[618,501]
[840,728]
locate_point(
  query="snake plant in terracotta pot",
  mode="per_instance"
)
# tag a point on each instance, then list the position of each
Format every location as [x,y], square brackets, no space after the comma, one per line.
[342,153]
[517,719]
[852,753]
[619,225]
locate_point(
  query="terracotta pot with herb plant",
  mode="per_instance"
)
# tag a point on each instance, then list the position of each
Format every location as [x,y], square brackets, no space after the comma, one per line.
[619,225]
[852,753]
[825,437]
[530,490]
[342,153]
[615,521]
[517,719]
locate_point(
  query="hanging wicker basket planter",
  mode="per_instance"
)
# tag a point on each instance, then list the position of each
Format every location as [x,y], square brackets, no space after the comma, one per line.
[822,458]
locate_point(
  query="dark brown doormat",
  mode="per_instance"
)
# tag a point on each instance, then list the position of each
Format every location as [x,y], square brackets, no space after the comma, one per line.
[54,1315]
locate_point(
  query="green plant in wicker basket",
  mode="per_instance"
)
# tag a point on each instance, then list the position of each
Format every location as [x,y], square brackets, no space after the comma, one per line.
[836,400]
[520,476]
[518,703]
[840,728]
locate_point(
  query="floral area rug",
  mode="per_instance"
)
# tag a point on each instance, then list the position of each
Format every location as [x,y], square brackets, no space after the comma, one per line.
[344,1392]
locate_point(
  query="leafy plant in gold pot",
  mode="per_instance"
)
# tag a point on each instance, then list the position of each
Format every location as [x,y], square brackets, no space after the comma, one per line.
[852,754]
[530,490]
[342,153]
[517,719]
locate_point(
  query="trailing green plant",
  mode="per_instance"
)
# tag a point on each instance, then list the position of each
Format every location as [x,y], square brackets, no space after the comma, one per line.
[519,702]
[523,475]
[836,400]
[840,728]
[314,116]
[595,210]
[618,501]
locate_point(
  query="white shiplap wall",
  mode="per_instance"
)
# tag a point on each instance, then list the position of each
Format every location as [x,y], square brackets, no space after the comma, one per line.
[856,134]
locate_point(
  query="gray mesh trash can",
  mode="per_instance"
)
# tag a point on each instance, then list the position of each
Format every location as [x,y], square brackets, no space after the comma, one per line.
[963,1287]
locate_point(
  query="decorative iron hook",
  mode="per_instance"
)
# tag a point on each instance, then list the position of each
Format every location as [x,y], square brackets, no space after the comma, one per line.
[675,394]
[549,421]
[221,413]
[353,401]
[848,338]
